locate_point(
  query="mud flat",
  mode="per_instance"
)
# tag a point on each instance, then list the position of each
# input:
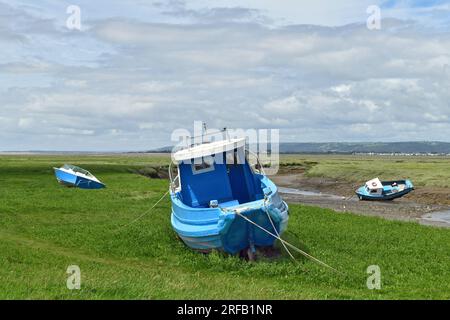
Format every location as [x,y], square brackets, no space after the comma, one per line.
[340,196]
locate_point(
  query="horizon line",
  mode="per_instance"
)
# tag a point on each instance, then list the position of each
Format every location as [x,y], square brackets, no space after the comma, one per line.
[155,150]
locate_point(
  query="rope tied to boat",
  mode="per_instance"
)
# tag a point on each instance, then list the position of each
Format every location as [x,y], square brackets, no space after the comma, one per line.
[276,231]
[287,243]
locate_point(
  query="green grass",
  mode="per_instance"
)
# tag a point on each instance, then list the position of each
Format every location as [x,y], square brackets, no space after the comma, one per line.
[424,171]
[44,228]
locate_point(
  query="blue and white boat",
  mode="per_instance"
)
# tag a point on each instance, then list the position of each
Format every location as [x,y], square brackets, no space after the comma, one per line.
[72,176]
[220,202]
[384,190]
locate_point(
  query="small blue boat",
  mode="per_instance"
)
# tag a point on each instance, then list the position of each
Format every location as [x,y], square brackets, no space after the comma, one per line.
[72,176]
[220,202]
[384,190]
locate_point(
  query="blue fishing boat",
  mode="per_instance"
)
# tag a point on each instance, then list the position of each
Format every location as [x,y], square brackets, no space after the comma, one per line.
[219,201]
[384,190]
[73,176]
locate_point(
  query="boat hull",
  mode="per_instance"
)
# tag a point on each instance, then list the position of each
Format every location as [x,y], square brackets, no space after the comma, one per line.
[225,229]
[364,195]
[384,198]
[71,180]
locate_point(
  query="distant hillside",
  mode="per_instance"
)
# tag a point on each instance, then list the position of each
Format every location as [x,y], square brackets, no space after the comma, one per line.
[423,147]
[161,150]
[367,147]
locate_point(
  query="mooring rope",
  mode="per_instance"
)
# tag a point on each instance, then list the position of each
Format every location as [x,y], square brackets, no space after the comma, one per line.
[276,231]
[143,214]
[276,236]
[287,243]
[349,198]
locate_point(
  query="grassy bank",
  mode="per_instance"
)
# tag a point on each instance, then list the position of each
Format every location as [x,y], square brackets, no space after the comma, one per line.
[424,171]
[44,228]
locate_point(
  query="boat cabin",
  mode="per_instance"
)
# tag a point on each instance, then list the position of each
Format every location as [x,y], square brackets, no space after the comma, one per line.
[217,174]
[78,170]
[374,187]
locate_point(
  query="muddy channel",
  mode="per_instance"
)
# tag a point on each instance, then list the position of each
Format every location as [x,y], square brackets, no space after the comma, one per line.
[429,207]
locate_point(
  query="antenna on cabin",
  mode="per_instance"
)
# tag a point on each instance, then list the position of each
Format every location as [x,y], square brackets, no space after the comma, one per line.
[203,131]
[227,136]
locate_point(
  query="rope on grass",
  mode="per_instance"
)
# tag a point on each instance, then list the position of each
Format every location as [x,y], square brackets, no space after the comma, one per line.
[143,214]
[288,244]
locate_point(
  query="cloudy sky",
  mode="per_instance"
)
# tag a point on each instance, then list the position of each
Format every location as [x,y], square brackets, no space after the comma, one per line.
[139,69]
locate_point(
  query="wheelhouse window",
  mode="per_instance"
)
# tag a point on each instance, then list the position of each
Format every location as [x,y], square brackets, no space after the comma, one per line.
[235,157]
[231,158]
[77,170]
[206,164]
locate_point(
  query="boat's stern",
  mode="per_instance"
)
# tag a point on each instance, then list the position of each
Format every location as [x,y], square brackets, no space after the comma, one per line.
[252,226]
[409,184]
[255,224]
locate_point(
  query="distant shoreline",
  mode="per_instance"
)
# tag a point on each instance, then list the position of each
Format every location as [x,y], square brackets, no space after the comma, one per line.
[124,153]
[413,148]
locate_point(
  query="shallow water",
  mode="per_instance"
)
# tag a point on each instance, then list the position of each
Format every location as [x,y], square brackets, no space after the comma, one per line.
[437,218]
[440,217]
[308,193]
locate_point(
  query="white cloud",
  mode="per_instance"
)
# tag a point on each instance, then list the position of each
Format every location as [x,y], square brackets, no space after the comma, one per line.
[127,83]
[289,105]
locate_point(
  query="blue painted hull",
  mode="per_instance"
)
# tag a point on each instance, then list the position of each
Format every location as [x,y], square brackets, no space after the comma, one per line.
[72,180]
[222,229]
[384,197]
